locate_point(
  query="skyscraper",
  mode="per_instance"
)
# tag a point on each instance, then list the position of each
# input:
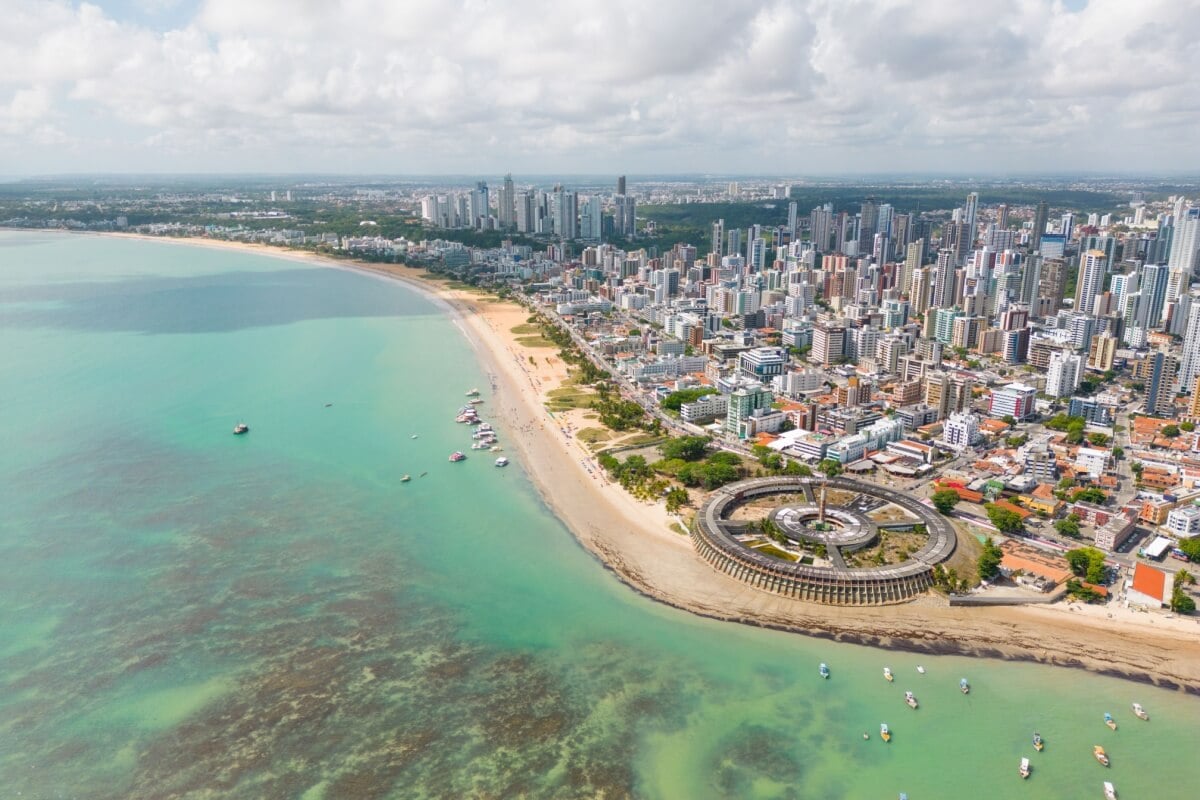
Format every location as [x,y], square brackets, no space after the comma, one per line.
[1052,284]
[624,215]
[1160,393]
[793,209]
[867,220]
[506,206]
[1090,283]
[1040,217]
[621,184]
[718,237]
[943,282]
[478,205]
[970,217]
[1189,364]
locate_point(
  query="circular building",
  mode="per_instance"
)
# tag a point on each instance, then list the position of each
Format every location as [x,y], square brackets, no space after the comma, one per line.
[837,518]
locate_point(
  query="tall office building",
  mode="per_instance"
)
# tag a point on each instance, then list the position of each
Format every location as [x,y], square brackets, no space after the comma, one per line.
[1185,250]
[821,228]
[1002,216]
[566,214]
[478,208]
[624,215]
[1160,384]
[506,204]
[621,184]
[1062,377]
[793,211]
[1068,226]
[590,219]
[1089,284]
[944,280]
[1052,284]
[868,219]
[718,237]
[1040,217]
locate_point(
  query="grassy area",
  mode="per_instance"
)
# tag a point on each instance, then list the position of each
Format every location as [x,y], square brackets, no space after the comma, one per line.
[675,526]
[966,555]
[775,552]
[526,329]
[535,341]
[566,398]
[594,436]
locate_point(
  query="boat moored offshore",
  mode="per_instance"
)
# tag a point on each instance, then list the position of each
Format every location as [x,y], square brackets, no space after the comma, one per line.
[1024,770]
[1100,755]
[884,733]
[458,455]
[1038,743]
[1140,712]
[911,699]
[405,478]
[1110,791]
[964,687]
[824,670]
[473,393]
[501,462]
[240,428]
[1109,721]
[887,673]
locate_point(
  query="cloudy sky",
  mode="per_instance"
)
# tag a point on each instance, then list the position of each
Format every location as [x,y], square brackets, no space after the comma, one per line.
[638,86]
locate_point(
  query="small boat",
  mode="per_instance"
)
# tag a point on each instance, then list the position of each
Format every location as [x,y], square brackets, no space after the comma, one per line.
[501,462]
[473,393]
[405,478]
[329,405]
[1140,712]
[1109,721]
[884,733]
[911,699]
[1024,768]
[1110,791]
[1038,744]
[413,436]
[964,687]
[481,445]
[240,428]
[866,736]
[920,669]
[495,448]
[824,670]
[1100,755]
[887,673]
[476,401]
[903,796]
[458,455]
[423,474]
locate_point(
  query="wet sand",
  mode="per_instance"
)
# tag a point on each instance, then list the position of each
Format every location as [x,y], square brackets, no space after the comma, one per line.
[635,542]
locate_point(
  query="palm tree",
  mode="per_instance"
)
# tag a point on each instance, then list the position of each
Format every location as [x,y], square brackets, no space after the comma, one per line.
[1184,578]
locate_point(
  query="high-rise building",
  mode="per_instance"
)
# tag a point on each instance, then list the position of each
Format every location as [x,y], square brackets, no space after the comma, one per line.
[478,208]
[1062,377]
[829,344]
[867,221]
[1092,268]
[1002,216]
[621,184]
[1040,217]
[566,214]
[970,217]
[624,215]
[1185,246]
[821,228]
[1052,284]
[793,212]
[1189,363]
[590,217]
[1016,400]
[1160,384]
[718,238]
[944,280]
[506,205]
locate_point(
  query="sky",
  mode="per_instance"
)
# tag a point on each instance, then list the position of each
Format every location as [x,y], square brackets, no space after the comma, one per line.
[791,87]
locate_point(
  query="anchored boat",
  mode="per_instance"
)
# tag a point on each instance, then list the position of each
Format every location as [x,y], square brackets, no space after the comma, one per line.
[911,699]
[501,462]
[1100,755]
[240,428]
[1109,721]
[964,687]
[1140,712]
[1110,791]
[457,456]
[1024,768]
[887,673]
[1038,744]
[884,733]
[824,670]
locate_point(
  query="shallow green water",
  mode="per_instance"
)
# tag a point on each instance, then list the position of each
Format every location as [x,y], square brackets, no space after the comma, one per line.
[187,612]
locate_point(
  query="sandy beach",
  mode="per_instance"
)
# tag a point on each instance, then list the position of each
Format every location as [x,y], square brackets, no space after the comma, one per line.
[634,539]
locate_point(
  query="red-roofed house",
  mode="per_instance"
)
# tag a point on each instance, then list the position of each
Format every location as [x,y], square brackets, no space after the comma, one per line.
[1150,586]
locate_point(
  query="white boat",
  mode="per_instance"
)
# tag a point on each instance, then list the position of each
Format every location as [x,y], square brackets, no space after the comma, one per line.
[1110,791]
[920,669]
[413,436]
[964,687]
[458,455]
[911,699]
[1109,721]
[480,445]
[1140,712]
[495,448]
[824,670]
[476,401]
[1100,755]
[240,428]
[1024,768]
[501,462]
[405,478]
[884,733]
[887,673]
[473,393]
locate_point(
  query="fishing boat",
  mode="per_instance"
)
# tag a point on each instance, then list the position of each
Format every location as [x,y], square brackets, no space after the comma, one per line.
[920,669]
[887,673]
[884,733]
[1024,768]
[903,796]
[458,455]
[1100,755]
[405,478]
[1110,791]
[240,428]
[495,448]
[1038,744]
[473,393]
[824,670]
[475,401]
[1140,712]
[481,445]
[911,699]
[1109,721]
[413,436]
[501,462]
[964,687]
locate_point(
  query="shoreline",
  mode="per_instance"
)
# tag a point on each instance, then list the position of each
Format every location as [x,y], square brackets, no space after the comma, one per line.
[632,540]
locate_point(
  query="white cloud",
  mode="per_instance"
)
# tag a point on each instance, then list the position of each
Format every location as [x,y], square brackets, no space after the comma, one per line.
[471,85]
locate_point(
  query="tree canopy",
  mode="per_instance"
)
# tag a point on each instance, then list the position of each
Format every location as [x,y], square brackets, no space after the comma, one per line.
[944,500]
[1088,563]
[989,560]
[1005,519]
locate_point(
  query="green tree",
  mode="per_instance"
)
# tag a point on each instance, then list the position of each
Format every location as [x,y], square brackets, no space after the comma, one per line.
[1009,419]
[675,400]
[831,467]
[1088,563]
[688,448]
[1170,431]
[1184,578]
[1181,601]
[1089,495]
[1187,426]
[944,500]
[1006,520]
[988,565]
[1068,526]
[1097,439]
[677,498]
[1191,548]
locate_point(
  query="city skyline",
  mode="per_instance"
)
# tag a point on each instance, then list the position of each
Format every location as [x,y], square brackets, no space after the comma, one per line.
[818,88]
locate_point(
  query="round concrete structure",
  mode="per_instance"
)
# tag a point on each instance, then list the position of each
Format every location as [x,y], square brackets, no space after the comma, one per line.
[835,585]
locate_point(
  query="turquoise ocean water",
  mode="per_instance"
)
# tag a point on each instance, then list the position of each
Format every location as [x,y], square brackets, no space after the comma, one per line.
[187,613]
